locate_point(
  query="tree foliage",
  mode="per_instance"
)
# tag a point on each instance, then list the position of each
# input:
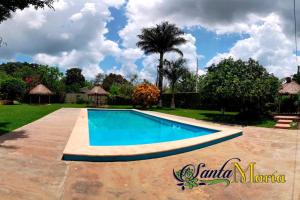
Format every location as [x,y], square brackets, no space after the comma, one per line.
[161,39]
[173,71]
[74,80]
[187,82]
[12,89]
[99,79]
[145,95]
[34,74]
[8,6]
[296,77]
[245,84]
[111,79]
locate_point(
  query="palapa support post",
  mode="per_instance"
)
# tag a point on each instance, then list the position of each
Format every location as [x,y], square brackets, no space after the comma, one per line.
[97,100]
[96,92]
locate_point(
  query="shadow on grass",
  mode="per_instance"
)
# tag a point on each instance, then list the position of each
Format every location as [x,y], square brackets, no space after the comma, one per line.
[221,118]
[228,119]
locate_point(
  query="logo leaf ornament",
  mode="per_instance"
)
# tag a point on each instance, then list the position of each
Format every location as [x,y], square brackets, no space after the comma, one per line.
[216,181]
[187,178]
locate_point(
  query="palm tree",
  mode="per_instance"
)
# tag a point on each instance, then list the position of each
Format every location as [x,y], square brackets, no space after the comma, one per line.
[161,39]
[173,71]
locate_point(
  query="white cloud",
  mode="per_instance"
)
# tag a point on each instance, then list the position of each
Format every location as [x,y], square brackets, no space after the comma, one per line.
[72,35]
[137,19]
[127,59]
[75,17]
[268,44]
[32,18]
[269,26]
[89,8]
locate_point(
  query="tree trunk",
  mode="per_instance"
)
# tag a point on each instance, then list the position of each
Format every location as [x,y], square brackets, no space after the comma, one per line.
[160,77]
[173,98]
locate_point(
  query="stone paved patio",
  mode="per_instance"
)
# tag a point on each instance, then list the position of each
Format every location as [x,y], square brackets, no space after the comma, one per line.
[31,166]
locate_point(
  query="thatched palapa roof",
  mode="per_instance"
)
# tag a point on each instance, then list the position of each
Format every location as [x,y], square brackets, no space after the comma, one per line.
[84,90]
[40,89]
[291,87]
[97,90]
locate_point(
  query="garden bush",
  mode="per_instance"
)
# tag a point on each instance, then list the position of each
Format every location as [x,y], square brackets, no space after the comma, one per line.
[145,95]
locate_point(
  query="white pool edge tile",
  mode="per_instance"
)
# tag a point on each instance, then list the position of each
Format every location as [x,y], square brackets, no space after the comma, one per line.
[78,143]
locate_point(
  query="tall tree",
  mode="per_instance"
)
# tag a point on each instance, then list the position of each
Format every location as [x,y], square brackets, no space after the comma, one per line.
[173,71]
[187,82]
[161,39]
[111,79]
[74,75]
[246,85]
[74,80]
[99,79]
[7,7]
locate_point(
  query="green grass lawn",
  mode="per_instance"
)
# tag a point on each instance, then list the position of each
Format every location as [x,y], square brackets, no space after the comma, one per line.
[212,115]
[217,116]
[14,116]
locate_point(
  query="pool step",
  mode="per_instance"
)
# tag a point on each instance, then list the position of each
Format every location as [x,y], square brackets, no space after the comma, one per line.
[283,126]
[287,117]
[284,121]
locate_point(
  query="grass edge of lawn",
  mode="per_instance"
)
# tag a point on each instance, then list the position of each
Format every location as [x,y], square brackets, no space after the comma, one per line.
[205,115]
[12,116]
[200,115]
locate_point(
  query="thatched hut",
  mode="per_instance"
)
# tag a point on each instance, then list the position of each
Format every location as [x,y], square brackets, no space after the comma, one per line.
[40,90]
[290,88]
[97,92]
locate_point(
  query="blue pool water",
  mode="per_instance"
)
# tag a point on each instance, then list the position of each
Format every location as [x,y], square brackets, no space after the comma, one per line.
[125,127]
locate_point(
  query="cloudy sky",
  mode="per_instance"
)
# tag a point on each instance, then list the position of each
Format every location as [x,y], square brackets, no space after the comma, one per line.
[100,35]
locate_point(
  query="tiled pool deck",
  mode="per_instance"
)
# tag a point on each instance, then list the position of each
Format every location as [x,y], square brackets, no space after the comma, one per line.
[31,166]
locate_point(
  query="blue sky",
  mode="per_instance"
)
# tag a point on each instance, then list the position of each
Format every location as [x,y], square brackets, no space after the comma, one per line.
[99,36]
[208,43]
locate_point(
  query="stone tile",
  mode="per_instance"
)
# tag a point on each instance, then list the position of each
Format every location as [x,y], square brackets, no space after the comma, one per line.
[31,166]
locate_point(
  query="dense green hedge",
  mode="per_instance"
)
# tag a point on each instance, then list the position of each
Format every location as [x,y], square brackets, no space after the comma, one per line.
[119,100]
[183,100]
[195,100]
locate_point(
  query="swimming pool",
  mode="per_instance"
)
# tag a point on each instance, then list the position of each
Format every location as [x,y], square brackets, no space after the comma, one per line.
[126,135]
[127,127]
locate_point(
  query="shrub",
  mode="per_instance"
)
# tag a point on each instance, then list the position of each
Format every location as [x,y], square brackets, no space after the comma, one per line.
[145,95]
[114,90]
[12,88]
[122,90]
